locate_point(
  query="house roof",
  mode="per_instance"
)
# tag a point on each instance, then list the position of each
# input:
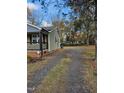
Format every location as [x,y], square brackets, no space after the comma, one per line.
[32,28]
[48,28]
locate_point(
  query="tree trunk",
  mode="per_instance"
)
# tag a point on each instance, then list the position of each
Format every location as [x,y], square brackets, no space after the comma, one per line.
[95,49]
[87,40]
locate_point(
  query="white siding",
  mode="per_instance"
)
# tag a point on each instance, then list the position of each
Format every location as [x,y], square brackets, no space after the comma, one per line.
[53,41]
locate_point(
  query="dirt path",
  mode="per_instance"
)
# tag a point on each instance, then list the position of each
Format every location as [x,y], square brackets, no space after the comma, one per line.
[75,82]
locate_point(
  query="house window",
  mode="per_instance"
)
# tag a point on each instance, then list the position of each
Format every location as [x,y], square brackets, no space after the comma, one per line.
[34,41]
[35,38]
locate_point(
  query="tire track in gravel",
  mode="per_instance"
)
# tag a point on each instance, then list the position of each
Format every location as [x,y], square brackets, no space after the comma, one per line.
[75,77]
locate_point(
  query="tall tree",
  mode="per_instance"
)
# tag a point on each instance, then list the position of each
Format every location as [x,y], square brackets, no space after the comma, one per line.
[85,14]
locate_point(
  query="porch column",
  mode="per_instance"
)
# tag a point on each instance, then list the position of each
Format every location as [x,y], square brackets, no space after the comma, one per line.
[41,48]
[47,41]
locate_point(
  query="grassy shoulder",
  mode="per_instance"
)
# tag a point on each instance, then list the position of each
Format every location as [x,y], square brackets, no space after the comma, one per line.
[90,68]
[33,67]
[90,76]
[55,78]
[89,51]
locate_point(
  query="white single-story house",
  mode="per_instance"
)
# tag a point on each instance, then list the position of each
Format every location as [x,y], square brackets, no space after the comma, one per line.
[42,39]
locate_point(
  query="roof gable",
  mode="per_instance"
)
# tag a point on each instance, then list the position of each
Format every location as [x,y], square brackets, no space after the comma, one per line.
[48,29]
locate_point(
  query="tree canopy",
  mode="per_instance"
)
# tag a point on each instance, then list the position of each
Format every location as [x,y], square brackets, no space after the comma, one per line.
[81,18]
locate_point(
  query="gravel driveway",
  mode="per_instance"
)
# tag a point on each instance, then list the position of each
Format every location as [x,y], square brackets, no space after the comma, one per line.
[75,82]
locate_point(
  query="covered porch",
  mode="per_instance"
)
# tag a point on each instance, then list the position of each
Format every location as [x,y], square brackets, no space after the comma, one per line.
[34,42]
[37,43]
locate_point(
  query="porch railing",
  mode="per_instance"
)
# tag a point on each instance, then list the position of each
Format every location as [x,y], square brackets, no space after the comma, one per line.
[36,46]
[33,46]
